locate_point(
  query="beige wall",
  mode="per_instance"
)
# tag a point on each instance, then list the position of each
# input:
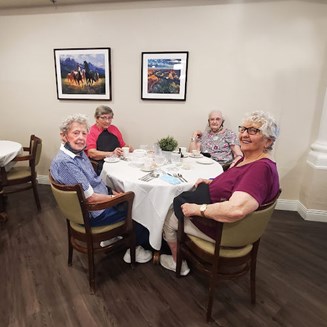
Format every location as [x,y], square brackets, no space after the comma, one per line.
[243,56]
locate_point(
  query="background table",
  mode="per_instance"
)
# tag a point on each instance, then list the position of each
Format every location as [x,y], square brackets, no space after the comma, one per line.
[8,151]
[154,199]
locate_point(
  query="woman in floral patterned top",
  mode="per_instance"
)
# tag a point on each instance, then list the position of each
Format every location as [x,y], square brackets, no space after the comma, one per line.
[216,141]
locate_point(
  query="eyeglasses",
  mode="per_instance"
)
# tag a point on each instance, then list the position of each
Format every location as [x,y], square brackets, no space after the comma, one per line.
[105,118]
[250,130]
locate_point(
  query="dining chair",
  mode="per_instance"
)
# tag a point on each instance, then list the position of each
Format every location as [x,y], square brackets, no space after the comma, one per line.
[86,239]
[233,254]
[23,177]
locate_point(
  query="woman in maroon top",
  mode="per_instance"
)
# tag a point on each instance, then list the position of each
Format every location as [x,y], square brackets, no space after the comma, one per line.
[231,196]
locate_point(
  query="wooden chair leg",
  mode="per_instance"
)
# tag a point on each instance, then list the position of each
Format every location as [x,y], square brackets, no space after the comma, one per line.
[36,196]
[252,280]
[70,246]
[253,269]
[90,255]
[210,299]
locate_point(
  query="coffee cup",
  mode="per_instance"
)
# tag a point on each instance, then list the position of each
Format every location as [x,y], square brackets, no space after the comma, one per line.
[182,150]
[125,151]
[196,153]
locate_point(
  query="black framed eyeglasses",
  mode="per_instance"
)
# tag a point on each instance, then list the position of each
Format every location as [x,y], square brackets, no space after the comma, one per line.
[250,130]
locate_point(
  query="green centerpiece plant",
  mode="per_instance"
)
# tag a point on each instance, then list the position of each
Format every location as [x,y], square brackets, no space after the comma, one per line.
[168,143]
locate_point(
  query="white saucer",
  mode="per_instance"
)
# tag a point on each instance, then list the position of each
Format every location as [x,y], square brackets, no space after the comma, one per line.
[196,156]
[205,161]
[111,159]
[147,170]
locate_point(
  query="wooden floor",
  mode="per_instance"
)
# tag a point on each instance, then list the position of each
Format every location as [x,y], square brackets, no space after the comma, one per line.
[39,289]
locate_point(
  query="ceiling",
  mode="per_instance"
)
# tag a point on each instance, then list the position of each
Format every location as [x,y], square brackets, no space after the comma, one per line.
[20,4]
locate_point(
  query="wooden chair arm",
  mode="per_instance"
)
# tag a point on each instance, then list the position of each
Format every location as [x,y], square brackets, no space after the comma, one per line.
[22,158]
[121,198]
[205,221]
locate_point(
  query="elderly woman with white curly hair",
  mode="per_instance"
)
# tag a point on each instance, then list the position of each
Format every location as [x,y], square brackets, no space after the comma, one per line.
[229,197]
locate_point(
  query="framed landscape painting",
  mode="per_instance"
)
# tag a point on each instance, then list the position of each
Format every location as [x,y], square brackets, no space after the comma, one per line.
[164,75]
[83,74]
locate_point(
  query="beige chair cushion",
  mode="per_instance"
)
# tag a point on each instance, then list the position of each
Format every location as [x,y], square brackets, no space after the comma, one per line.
[18,173]
[96,230]
[224,252]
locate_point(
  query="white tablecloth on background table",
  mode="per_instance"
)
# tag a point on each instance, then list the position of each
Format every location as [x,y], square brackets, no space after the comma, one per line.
[8,151]
[154,199]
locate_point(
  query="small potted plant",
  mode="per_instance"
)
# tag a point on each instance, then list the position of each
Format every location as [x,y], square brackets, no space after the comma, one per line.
[168,143]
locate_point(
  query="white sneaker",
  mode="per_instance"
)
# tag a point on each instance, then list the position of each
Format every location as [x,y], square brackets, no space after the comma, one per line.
[141,255]
[168,262]
[111,241]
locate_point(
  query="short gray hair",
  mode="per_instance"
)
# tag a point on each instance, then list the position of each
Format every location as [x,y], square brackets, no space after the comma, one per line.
[266,122]
[216,112]
[76,118]
[103,110]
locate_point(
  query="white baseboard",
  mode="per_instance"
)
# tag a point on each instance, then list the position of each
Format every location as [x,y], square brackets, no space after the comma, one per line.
[43,179]
[306,214]
[282,204]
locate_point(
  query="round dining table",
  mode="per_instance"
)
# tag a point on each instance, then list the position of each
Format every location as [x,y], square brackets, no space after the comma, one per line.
[153,199]
[8,151]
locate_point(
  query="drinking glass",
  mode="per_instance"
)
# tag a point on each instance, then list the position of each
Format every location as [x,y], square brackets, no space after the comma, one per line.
[176,159]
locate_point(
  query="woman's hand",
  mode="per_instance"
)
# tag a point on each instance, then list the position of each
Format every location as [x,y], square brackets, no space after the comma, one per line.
[202,180]
[190,209]
[197,134]
[118,152]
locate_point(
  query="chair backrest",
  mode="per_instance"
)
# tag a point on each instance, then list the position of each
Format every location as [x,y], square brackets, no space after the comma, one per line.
[70,199]
[35,148]
[247,230]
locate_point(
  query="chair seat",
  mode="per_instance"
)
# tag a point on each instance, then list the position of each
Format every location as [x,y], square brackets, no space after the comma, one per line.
[18,173]
[224,251]
[96,230]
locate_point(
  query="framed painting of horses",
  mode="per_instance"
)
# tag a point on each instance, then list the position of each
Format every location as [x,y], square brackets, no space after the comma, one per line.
[164,75]
[83,74]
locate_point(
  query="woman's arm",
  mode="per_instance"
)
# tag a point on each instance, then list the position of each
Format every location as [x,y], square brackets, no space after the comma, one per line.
[195,142]
[237,154]
[237,207]
[100,155]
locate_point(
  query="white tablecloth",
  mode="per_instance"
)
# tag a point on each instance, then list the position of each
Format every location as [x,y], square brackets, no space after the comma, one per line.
[154,199]
[8,151]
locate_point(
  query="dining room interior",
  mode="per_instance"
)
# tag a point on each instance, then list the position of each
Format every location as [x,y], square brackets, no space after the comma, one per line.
[241,56]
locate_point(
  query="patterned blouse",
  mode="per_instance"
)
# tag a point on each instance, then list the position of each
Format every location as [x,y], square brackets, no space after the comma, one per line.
[218,145]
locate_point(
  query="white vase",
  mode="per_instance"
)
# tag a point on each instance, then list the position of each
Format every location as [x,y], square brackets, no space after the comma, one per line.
[167,155]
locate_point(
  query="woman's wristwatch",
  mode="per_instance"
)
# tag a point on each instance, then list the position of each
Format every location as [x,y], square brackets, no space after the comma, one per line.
[203,208]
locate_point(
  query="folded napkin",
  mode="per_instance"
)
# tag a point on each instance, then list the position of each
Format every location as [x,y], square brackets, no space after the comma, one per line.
[170,179]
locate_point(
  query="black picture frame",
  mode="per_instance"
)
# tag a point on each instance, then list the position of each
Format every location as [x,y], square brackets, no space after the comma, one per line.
[164,75]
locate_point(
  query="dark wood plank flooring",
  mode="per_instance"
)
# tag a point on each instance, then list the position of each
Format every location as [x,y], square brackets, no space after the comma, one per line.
[39,289]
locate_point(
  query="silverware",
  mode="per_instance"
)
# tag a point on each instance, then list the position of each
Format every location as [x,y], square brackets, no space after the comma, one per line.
[182,178]
[179,176]
[149,177]
[152,176]
[145,177]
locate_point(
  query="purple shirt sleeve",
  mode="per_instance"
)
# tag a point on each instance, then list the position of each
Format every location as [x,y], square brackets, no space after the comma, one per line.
[259,179]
